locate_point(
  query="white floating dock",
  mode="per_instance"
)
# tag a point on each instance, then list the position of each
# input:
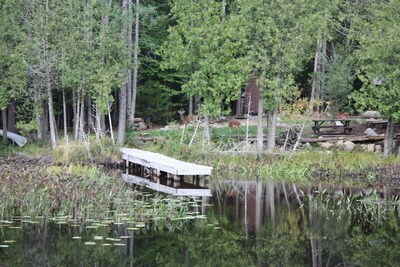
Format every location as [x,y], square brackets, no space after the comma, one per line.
[166,171]
[163,163]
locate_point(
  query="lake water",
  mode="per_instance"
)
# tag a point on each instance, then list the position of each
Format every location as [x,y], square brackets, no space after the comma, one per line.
[247,223]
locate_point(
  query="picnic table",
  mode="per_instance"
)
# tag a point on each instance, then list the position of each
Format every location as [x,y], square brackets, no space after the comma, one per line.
[335,124]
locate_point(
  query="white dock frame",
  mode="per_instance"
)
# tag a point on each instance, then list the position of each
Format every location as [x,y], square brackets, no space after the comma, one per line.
[174,169]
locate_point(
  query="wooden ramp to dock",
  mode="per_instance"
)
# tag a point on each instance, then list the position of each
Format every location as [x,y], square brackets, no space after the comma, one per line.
[165,170]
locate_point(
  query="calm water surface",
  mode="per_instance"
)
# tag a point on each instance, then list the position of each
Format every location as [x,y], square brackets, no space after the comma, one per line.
[247,224]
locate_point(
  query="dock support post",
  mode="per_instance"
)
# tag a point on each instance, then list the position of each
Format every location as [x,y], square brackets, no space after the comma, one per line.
[206,181]
[196,180]
[177,180]
[141,170]
[157,175]
[169,179]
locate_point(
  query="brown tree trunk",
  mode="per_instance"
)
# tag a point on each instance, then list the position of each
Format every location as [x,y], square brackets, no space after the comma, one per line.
[207,129]
[65,116]
[190,105]
[90,115]
[260,134]
[43,126]
[4,122]
[239,104]
[389,142]
[11,117]
[122,116]
[123,93]
[75,104]
[319,68]
[135,65]
[127,9]
[81,119]
[39,112]
[271,125]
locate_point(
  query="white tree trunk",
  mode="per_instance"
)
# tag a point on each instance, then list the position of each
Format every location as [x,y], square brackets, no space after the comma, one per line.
[100,122]
[51,111]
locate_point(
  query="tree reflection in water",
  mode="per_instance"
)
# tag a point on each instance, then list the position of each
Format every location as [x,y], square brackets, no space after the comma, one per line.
[249,224]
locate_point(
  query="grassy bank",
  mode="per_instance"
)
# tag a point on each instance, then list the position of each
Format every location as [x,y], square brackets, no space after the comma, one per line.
[304,166]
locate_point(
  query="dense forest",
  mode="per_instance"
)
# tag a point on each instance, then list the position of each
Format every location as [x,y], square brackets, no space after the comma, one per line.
[75,67]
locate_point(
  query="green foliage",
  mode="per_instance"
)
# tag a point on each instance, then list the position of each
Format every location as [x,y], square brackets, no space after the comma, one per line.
[338,83]
[12,70]
[277,45]
[379,59]
[208,46]
[155,103]
[27,129]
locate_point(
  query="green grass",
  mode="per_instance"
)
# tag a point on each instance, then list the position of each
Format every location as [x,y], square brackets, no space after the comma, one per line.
[304,166]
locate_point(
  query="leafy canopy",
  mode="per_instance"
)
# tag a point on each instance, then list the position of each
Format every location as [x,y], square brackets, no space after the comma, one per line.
[380,59]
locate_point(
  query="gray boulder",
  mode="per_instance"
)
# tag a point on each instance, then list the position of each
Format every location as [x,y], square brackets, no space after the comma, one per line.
[348,145]
[371,114]
[378,148]
[371,147]
[325,145]
[370,132]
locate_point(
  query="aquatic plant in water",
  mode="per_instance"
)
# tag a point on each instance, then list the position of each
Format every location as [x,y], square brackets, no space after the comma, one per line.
[81,194]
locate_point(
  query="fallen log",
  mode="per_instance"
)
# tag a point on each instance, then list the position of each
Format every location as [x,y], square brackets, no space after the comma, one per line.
[344,138]
[149,139]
